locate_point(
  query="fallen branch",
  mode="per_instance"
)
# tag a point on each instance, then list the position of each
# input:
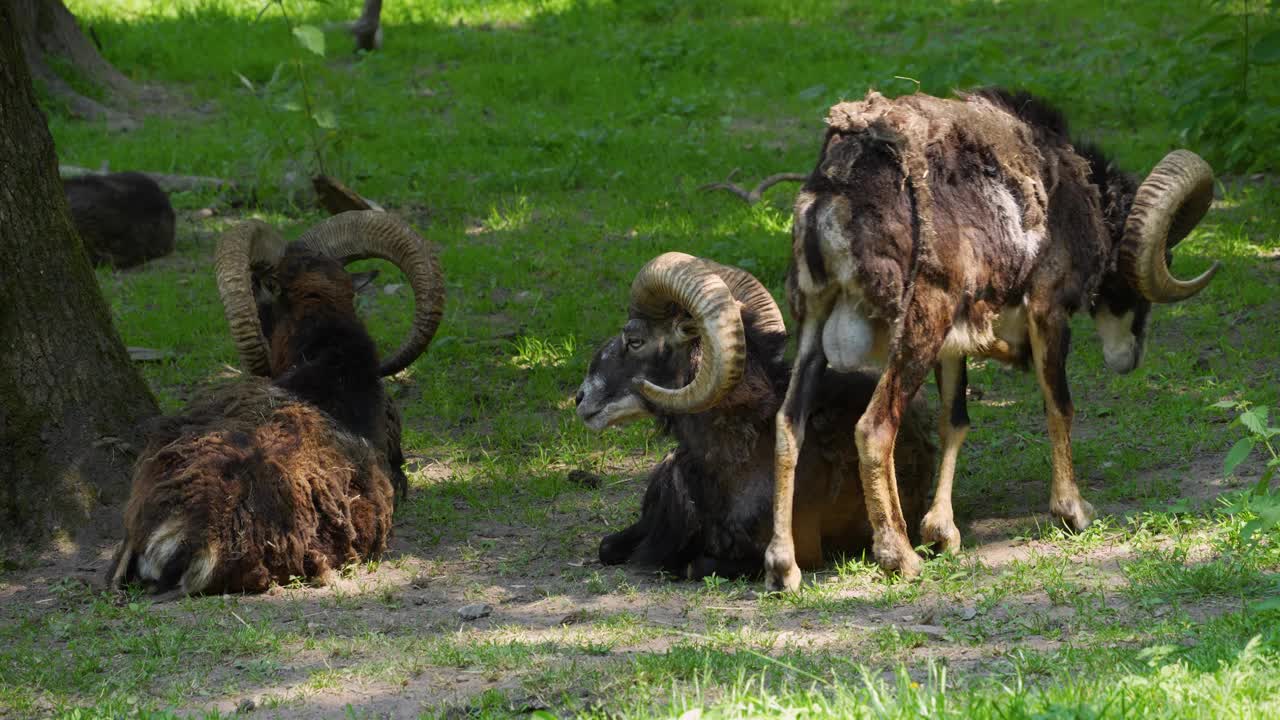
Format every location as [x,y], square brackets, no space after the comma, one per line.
[336,198]
[168,183]
[751,197]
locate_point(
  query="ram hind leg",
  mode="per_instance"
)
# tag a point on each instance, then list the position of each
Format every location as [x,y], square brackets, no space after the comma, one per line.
[939,527]
[1050,339]
[781,570]
[913,356]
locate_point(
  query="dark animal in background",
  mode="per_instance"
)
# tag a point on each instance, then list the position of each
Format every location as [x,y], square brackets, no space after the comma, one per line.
[936,229]
[715,334]
[124,219]
[295,474]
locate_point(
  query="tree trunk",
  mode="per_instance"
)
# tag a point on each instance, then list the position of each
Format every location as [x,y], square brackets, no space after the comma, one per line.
[367,29]
[70,401]
[47,29]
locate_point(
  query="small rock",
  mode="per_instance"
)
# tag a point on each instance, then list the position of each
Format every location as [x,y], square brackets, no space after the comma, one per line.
[420,580]
[203,213]
[968,613]
[1041,643]
[475,611]
[576,616]
[391,289]
[933,632]
[584,478]
[750,595]
[246,705]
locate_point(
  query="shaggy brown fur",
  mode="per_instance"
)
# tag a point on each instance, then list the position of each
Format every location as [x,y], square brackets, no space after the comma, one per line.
[932,229]
[270,488]
[264,481]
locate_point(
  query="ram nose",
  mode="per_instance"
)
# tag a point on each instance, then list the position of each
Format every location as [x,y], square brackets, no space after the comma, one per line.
[577,399]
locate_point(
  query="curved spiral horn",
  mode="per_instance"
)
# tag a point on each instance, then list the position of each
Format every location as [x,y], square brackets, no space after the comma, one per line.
[1168,205]
[361,234]
[686,281]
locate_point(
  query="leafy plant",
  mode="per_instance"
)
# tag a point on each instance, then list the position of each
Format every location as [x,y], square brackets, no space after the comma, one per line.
[1261,501]
[322,122]
[1228,99]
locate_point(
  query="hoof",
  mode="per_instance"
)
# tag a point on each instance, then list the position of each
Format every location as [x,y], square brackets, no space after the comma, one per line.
[894,555]
[780,570]
[1076,513]
[940,532]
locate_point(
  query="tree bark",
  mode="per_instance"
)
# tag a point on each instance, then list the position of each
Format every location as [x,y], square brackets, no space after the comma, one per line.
[70,400]
[367,29]
[47,29]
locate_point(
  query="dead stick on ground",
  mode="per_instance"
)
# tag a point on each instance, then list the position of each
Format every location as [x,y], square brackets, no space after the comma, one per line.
[168,183]
[751,197]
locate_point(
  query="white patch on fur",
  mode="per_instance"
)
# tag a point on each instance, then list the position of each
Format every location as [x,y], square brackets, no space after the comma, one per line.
[847,336]
[164,542]
[804,200]
[1119,344]
[1009,325]
[1028,242]
[965,339]
[834,243]
[200,571]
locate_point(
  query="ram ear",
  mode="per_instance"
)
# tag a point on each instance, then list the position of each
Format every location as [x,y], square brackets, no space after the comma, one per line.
[684,330]
[265,287]
[363,281]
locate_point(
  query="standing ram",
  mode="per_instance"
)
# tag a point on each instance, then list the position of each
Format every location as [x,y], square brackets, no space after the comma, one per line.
[715,335]
[296,473]
[935,229]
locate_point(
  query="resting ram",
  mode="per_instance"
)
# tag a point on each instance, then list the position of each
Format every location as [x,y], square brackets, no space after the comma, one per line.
[295,473]
[124,219]
[715,335]
[935,229]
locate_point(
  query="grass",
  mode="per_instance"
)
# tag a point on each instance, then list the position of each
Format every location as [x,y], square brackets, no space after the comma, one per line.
[549,149]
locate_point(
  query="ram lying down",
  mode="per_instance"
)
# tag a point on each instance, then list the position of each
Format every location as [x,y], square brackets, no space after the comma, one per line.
[295,474]
[715,335]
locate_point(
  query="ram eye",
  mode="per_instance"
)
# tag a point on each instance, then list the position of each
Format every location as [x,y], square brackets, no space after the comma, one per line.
[635,343]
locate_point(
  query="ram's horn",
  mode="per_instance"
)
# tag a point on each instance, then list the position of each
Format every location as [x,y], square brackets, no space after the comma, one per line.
[1168,205]
[676,279]
[357,235]
[242,249]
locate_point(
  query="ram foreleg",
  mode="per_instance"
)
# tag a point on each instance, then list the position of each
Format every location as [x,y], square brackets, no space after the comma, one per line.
[1050,338]
[914,355]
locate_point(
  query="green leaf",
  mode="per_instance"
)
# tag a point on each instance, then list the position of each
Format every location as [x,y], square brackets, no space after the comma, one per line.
[1267,50]
[1255,419]
[1206,26]
[325,119]
[245,81]
[1237,454]
[1250,528]
[311,38]
[1224,404]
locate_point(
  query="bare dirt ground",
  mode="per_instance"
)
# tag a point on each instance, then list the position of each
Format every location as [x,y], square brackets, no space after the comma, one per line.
[538,593]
